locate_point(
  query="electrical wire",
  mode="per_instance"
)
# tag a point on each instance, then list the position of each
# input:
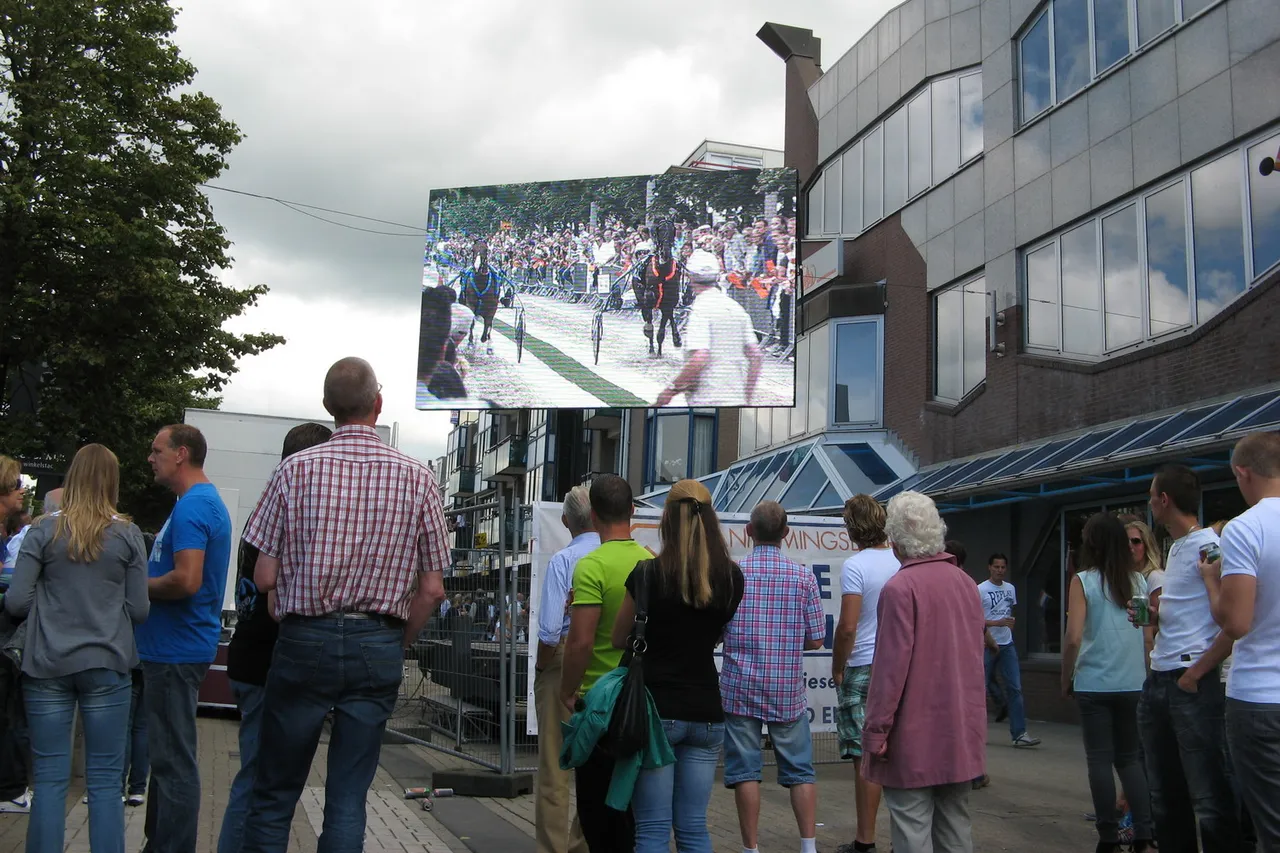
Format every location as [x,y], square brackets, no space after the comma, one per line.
[296,207]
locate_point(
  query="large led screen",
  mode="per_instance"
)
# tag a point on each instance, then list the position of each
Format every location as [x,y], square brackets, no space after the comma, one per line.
[652,291]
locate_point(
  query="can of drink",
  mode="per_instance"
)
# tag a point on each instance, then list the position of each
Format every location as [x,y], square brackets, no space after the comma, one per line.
[1211,553]
[427,793]
[1141,610]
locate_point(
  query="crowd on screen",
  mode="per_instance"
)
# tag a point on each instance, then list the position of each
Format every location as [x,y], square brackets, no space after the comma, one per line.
[326,612]
[758,253]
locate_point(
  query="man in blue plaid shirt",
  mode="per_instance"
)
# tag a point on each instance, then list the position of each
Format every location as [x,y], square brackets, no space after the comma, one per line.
[762,681]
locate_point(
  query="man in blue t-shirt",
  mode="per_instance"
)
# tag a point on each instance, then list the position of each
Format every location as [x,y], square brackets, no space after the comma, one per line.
[188,575]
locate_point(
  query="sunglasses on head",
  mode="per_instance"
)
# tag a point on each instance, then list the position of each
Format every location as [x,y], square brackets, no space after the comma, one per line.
[1135,540]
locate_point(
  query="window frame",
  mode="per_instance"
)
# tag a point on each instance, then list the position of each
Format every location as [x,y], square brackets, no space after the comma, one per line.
[876,320]
[649,478]
[1138,200]
[1136,47]
[958,284]
[818,231]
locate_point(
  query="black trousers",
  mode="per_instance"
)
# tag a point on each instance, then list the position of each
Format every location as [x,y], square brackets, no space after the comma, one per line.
[606,830]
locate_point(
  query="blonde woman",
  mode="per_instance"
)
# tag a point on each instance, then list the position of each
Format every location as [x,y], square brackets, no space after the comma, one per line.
[1146,562]
[82,577]
[693,591]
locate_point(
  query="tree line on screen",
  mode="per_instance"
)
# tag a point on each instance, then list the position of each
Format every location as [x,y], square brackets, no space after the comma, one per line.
[684,196]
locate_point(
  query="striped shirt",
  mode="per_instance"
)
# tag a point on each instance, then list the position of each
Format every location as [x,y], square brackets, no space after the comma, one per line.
[763,673]
[352,522]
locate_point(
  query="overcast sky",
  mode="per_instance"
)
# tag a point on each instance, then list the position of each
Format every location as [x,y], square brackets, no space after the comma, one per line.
[367,108]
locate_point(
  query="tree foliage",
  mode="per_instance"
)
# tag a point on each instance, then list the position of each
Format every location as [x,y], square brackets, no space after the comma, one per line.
[109,251]
[688,196]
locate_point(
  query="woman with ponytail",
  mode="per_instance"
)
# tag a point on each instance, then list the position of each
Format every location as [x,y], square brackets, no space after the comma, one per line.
[693,590]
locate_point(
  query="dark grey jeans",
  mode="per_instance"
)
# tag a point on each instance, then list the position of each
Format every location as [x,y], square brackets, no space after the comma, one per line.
[1185,739]
[1254,733]
[1109,723]
[173,802]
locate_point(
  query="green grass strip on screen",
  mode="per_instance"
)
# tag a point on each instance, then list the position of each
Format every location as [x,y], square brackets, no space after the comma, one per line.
[573,370]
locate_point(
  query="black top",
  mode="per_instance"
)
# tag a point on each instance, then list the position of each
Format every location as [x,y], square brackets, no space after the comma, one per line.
[680,665]
[249,654]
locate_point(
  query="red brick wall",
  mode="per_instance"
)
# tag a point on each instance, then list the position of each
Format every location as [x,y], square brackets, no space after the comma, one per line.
[1028,397]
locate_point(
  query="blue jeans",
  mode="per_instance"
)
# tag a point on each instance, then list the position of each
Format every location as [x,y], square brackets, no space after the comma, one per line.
[173,804]
[1188,768]
[249,700]
[792,744]
[137,762]
[676,796]
[354,666]
[103,697]
[1005,663]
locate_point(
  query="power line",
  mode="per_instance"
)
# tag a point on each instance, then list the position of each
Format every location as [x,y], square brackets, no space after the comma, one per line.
[296,206]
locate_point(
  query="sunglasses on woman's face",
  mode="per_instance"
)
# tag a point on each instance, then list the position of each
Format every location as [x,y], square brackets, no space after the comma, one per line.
[1135,541]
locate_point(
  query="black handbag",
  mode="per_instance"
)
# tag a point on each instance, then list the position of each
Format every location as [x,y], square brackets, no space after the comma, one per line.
[628,731]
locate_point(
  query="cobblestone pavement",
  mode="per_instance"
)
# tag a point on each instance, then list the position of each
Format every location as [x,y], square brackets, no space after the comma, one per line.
[1037,801]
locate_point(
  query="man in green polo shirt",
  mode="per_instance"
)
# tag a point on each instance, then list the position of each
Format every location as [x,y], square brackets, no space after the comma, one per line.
[599,586]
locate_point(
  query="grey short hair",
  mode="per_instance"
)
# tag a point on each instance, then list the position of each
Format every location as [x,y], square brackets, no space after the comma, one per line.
[350,389]
[577,508]
[769,522]
[52,501]
[914,526]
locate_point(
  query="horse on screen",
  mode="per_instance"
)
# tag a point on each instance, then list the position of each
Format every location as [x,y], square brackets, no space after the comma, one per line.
[659,286]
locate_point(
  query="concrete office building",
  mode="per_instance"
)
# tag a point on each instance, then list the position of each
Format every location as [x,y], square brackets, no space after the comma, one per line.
[1042,259]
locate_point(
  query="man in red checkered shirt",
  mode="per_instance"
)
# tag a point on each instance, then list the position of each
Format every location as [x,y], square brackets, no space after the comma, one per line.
[352,543]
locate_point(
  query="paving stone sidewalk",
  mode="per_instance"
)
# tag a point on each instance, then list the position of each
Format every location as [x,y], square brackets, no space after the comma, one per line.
[1037,801]
[393,824]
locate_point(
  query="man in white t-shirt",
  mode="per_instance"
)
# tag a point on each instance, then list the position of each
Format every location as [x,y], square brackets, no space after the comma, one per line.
[722,353]
[1244,587]
[998,600]
[1181,715]
[863,576]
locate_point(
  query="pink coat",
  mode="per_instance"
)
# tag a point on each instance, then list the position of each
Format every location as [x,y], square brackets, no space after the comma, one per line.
[927,698]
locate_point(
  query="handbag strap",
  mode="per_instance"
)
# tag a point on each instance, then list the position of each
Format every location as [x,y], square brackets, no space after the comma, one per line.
[638,643]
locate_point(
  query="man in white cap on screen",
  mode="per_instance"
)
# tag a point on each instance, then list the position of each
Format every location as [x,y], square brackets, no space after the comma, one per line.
[722,353]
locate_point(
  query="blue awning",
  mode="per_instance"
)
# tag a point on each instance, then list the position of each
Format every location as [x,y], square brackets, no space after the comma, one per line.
[1112,453]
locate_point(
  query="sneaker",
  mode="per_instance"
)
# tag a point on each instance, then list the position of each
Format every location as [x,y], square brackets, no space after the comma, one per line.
[136,799]
[1025,740]
[1002,714]
[20,804]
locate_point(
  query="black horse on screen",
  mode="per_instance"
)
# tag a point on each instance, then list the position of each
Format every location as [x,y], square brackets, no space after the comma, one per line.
[658,286]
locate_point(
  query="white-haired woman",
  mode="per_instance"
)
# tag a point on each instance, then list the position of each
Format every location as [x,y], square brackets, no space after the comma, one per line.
[926,720]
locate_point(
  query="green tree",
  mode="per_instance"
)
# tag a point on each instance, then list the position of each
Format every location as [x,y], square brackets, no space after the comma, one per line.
[109,251]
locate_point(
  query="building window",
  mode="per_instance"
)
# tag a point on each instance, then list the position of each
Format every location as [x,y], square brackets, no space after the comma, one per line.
[1062,52]
[1157,264]
[678,444]
[959,339]
[914,149]
[857,373]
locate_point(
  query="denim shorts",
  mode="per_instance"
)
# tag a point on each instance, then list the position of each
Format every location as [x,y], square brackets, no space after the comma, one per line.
[743,761]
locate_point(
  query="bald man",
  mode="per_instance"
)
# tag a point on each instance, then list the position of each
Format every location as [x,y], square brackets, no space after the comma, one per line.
[354,589]
[53,501]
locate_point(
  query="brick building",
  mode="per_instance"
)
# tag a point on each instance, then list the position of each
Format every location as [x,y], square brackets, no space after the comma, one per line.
[1041,259]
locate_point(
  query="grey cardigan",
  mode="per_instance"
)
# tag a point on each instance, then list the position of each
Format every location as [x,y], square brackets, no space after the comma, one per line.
[81,615]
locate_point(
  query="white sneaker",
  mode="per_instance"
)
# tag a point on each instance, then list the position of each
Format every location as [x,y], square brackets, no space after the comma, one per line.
[20,804]
[136,799]
[1025,740]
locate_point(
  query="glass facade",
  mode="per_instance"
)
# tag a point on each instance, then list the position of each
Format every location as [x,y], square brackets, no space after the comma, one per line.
[1061,52]
[1156,264]
[959,339]
[916,147]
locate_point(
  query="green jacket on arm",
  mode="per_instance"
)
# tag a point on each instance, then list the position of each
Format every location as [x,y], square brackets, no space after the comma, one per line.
[586,727]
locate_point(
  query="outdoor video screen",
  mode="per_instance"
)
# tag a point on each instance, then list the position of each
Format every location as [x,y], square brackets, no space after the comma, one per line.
[652,291]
